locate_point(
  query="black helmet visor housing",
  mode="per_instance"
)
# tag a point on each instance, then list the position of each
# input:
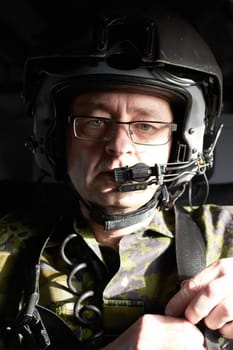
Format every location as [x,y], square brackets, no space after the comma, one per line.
[169,59]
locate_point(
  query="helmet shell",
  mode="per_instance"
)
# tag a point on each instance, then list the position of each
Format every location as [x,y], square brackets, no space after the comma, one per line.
[160,53]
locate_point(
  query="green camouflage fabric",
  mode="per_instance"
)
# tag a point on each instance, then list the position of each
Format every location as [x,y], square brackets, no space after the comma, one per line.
[144,276]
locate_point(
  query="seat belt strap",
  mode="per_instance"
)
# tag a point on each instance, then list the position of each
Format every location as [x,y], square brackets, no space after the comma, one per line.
[191,259]
[190,245]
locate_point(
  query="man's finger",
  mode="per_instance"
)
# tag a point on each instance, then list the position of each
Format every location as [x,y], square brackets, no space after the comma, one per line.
[190,288]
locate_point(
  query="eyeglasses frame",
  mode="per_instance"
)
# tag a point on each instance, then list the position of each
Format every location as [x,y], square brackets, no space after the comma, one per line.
[72,119]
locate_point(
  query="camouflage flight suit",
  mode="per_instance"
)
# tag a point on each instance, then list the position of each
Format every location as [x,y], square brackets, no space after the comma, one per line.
[118,287]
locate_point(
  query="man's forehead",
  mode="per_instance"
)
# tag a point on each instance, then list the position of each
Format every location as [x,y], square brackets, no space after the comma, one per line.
[137,100]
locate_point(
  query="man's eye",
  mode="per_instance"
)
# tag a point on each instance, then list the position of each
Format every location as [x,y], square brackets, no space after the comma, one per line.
[96,123]
[145,127]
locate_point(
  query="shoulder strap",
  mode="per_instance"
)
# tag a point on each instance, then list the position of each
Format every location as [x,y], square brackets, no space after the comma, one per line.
[190,245]
[191,258]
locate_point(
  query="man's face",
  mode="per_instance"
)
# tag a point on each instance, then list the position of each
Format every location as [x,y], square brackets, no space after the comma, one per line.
[91,163]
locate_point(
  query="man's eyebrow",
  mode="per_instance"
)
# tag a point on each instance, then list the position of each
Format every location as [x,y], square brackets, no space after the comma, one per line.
[147,112]
[93,104]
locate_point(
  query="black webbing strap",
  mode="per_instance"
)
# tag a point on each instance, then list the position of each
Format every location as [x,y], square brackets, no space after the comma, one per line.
[191,259]
[190,245]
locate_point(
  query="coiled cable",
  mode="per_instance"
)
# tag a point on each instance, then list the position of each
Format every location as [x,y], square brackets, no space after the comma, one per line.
[87,314]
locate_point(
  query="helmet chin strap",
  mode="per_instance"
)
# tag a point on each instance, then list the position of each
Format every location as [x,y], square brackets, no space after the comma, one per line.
[118,221]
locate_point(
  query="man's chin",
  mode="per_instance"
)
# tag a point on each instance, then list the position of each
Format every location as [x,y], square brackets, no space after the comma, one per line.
[122,202]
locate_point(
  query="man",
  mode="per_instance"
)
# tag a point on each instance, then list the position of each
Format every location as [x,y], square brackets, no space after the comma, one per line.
[128,122]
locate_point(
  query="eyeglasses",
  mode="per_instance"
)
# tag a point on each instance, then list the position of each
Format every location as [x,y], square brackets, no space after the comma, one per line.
[141,132]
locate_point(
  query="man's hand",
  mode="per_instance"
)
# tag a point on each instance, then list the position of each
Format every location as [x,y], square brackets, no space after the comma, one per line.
[207,296]
[155,332]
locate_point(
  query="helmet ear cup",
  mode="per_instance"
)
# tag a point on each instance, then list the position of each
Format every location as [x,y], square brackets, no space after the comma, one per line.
[56,140]
[179,110]
[59,151]
[48,143]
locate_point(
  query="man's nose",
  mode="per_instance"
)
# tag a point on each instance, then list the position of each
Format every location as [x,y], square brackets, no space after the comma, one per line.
[120,142]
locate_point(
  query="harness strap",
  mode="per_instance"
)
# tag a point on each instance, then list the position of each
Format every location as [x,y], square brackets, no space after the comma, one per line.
[190,245]
[191,259]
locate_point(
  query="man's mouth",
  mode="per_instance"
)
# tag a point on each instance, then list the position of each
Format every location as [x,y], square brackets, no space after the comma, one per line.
[108,175]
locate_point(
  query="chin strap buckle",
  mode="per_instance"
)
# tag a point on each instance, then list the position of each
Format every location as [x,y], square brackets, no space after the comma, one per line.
[164,198]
